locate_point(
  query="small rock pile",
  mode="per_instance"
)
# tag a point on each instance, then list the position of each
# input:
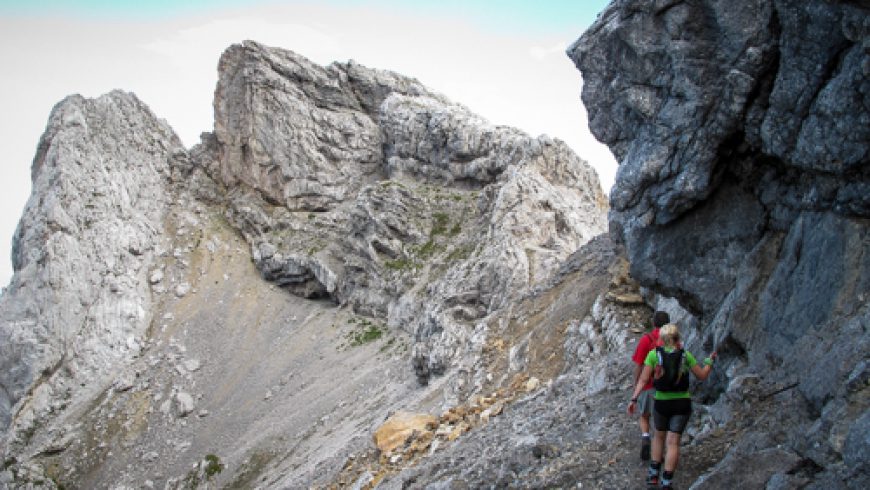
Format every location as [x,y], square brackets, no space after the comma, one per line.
[404,438]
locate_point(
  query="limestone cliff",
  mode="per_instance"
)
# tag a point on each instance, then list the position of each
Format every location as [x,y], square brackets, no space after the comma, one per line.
[364,187]
[344,244]
[743,135]
[79,300]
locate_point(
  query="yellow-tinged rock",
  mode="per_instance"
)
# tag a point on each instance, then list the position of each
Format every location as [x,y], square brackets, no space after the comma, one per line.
[519,381]
[455,414]
[402,425]
[450,417]
[492,411]
[443,431]
[627,299]
[458,431]
[421,444]
[533,384]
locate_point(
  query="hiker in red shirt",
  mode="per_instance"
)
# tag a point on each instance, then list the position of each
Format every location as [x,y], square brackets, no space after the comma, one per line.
[647,343]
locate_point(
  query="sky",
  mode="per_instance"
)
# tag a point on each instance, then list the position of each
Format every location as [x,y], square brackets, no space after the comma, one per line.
[504,59]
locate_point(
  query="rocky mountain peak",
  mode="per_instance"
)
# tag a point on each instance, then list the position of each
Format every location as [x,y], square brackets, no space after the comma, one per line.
[303,135]
[399,211]
[93,219]
[329,208]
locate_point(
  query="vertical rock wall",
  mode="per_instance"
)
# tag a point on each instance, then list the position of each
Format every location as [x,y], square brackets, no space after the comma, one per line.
[743,135]
[79,300]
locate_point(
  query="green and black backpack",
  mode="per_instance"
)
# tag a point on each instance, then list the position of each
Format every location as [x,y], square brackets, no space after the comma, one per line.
[671,376]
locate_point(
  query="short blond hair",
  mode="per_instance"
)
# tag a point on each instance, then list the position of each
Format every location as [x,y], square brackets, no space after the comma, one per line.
[670,335]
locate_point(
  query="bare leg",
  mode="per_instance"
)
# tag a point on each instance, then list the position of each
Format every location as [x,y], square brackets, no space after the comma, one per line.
[673,452]
[658,445]
[644,423]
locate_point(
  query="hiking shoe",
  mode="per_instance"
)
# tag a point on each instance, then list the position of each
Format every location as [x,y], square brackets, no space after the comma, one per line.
[652,481]
[644,449]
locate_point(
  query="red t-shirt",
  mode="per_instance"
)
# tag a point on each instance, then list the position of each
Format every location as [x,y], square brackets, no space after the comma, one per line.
[646,343]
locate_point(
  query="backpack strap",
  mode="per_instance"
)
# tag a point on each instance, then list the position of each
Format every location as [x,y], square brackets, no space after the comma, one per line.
[681,364]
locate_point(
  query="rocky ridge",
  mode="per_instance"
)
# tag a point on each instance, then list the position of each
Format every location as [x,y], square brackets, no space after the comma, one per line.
[428,221]
[741,134]
[401,224]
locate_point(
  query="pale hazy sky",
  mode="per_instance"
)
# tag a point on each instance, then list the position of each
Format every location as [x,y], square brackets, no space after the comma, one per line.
[504,59]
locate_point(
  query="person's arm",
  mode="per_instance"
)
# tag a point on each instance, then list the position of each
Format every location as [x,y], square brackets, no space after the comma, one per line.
[638,368]
[703,372]
[638,387]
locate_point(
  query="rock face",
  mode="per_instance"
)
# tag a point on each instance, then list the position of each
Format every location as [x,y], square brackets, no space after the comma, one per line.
[302,135]
[79,302]
[398,428]
[364,187]
[744,146]
[137,329]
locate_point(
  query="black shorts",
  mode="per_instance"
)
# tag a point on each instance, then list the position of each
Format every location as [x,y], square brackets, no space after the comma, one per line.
[672,415]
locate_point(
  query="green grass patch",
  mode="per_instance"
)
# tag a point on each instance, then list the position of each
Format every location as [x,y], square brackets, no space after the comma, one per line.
[315,247]
[387,345]
[428,249]
[57,483]
[401,264]
[366,333]
[210,466]
[213,466]
[386,184]
[460,253]
[439,225]
[218,222]
[284,233]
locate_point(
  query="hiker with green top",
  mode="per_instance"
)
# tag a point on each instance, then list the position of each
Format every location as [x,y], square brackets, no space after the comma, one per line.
[646,344]
[669,366]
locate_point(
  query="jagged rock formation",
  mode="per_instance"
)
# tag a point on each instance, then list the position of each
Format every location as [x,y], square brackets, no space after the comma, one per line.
[137,334]
[371,190]
[568,431]
[420,244]
[744,146]
[79,300]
